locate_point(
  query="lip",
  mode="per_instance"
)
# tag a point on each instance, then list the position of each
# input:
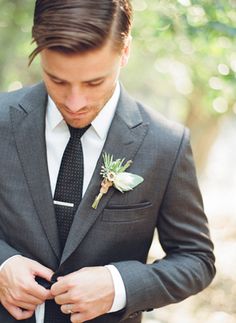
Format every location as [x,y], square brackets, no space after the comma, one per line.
[77,115]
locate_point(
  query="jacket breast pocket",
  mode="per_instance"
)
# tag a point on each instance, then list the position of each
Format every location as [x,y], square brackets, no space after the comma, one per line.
[127,213]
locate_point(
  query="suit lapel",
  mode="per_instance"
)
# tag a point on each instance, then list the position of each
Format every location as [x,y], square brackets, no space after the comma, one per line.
[28,122]
[123,141]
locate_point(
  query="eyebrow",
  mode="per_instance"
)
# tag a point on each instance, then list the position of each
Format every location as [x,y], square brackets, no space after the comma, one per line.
[62,80]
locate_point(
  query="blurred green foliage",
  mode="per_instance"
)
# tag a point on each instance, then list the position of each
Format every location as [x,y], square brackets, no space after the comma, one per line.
[189,45]
[183,61]
[15,39]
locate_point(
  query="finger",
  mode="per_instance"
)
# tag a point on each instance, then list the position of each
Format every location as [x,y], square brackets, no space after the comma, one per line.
[17,312]
[24,295]
[60,287]
[27,298]
[38,292]
[63,299]
[42,271]
[50,297]
[24,305]
[80,317]
[68,309]
[65,283]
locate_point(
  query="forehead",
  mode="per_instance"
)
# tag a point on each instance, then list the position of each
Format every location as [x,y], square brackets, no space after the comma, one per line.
[88,65]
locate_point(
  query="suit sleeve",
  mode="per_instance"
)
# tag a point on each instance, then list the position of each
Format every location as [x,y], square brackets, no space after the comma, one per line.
[6,251]
[188,266]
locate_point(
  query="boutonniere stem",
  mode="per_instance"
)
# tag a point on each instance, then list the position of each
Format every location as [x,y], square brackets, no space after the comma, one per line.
[113,173]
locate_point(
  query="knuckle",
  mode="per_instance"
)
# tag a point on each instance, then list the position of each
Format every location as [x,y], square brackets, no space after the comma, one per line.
[82,307]
[17,296]
[8,298]
[74,297]
[70,284]
[26,287]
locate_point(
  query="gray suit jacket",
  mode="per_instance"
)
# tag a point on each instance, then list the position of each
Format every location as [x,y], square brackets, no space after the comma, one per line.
[120,231]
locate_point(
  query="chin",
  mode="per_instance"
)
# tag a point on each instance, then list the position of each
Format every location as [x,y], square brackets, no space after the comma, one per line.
[78,124]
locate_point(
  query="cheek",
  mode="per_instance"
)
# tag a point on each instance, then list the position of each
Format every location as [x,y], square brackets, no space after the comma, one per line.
[105,92]
[96,96]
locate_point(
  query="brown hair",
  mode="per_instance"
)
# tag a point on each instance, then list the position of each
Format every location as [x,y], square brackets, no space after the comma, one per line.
[73,26]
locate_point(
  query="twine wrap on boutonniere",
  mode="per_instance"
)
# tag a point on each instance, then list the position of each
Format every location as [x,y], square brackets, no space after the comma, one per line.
[113,173]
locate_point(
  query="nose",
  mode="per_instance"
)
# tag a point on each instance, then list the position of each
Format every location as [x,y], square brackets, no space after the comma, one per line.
[75,100]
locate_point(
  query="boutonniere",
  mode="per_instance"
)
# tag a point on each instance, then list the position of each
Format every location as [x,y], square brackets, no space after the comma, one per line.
[114,174]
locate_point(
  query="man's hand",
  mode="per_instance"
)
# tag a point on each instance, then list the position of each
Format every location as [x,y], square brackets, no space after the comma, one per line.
[19,292]
[85,294]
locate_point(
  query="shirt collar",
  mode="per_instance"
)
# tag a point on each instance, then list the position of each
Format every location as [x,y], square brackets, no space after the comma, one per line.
[53,115]
[101,123]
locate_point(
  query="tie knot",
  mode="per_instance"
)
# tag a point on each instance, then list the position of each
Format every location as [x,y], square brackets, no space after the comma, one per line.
[77,132]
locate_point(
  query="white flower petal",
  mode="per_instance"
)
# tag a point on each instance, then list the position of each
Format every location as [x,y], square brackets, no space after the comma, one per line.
[126,181]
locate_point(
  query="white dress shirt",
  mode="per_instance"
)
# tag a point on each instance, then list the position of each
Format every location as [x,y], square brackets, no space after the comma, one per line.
[57,136]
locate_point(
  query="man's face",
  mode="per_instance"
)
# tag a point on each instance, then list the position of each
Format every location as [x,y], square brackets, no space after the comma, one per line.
[81,84]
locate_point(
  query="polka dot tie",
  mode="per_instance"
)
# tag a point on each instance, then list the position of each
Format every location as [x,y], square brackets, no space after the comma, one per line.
[68,192]
[67,197]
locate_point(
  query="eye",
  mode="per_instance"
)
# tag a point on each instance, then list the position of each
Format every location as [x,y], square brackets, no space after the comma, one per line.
[56,81]
[95,83]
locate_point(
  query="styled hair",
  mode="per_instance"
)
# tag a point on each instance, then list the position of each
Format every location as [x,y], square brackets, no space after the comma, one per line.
[77,26]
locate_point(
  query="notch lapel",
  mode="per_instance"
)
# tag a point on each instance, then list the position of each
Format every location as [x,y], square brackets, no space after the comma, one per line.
[28,123]
[123,141]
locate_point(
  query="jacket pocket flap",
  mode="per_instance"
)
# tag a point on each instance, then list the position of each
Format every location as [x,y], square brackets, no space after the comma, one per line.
[126,213]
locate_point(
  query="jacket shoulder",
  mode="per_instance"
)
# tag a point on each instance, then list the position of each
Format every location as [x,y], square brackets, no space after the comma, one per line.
[161,127]
[26,96]
[13,97]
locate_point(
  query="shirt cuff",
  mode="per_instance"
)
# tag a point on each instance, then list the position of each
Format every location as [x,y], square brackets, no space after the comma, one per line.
[4,263]
[120,295]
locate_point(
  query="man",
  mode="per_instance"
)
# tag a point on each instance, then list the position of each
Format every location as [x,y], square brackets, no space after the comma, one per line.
[63,259]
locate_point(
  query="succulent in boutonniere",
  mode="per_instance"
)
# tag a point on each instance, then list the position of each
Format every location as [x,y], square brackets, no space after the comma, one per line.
[114,174]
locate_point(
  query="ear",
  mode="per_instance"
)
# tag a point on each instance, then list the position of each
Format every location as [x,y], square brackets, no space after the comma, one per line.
[126,51]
